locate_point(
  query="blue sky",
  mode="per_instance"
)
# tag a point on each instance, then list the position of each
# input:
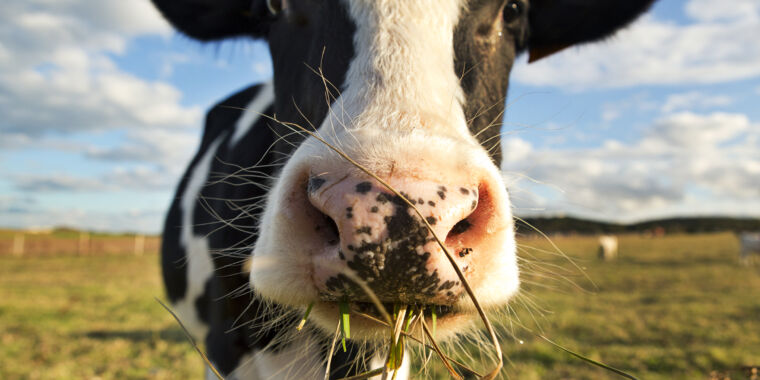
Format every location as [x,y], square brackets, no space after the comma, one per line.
[103,105]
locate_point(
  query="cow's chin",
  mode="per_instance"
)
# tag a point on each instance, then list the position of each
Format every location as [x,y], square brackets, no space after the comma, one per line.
[367,323]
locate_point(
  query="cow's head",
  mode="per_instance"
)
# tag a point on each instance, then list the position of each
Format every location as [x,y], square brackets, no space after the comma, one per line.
[413,91]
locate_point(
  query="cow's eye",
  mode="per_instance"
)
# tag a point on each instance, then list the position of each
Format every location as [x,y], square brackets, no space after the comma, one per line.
[512,11]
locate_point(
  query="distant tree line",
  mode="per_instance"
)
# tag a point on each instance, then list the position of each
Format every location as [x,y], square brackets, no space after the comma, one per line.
[572,225]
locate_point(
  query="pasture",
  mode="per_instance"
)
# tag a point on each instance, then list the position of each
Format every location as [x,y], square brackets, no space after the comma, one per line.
[674,307]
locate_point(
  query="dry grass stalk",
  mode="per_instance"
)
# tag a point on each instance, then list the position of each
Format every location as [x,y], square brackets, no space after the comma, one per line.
[437,349]
[365,375]
[332,350]
[192,341]
[396,351]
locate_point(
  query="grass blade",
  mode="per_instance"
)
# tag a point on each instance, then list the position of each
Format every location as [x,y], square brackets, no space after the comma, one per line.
[345,325]
[365,375]
[305,316]
[192,341]
[433,318]
[408,322]
[438,351]
[330,354]
[396,352]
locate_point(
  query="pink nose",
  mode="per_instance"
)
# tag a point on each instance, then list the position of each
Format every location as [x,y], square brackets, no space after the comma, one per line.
[377,235]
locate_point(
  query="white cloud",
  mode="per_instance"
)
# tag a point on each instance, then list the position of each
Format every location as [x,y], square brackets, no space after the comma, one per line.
[612,111]
[16,203]
[706,10]
[684,163]
[694,99]
[168,149]
[56,73]
[719,45]
[57,182]
[515,149]
[691,131]
[61,89]
[33,29]
[133,178]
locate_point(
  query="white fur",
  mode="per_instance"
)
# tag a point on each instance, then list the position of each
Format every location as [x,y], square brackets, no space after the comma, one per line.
[252,112]
[200,268]
[300,360]
[403,70]
[378,361]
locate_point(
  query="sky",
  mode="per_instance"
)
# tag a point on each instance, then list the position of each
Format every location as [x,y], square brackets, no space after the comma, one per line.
[102,107]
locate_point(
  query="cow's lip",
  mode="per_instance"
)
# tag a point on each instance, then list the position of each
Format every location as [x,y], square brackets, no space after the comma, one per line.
[369,325]
[369,308]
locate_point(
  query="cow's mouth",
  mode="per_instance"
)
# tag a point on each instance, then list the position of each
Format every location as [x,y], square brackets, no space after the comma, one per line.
[369,325]
[368,315]
[371,309]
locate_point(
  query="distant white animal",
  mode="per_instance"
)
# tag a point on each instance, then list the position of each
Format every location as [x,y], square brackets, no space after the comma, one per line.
[750,243]
[608,247]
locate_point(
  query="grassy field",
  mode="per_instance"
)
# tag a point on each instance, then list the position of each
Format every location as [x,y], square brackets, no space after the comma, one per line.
[87,318]
[676,307]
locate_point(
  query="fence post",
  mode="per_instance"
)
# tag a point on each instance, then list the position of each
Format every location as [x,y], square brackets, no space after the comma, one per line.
[18,244]
[139,244]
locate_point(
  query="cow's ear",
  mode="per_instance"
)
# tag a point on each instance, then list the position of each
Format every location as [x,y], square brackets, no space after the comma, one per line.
[209,20]
[557,24]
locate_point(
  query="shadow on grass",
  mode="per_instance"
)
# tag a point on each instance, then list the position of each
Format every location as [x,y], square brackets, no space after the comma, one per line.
[170,334]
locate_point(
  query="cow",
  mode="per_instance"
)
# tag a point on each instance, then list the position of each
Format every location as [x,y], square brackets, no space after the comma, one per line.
[271,216]
[608,247]
[750,244]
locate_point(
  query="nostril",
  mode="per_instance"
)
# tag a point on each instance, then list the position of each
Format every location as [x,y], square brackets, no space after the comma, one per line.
[459,228]
[325,225]
[331,230]
[470,231]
